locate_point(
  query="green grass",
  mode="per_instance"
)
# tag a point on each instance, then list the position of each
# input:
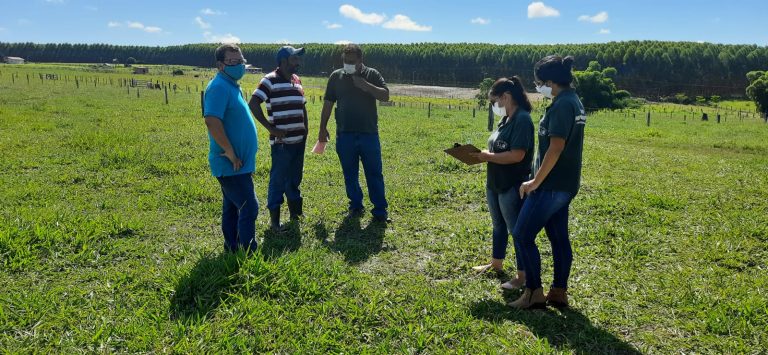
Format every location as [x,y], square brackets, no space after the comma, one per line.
[110,241]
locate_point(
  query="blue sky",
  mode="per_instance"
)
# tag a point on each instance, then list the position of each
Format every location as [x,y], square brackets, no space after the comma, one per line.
[161,22]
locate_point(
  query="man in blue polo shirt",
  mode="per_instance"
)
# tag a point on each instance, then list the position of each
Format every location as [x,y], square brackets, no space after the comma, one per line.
[233,146]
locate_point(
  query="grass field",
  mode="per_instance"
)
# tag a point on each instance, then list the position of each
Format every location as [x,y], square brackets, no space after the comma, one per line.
[110,240]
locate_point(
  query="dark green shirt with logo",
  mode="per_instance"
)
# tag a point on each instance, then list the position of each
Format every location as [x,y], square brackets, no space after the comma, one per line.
[513,133]
[564,118]
[355,109]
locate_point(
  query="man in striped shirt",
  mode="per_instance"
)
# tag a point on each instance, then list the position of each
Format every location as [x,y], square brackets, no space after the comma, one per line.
[283,96]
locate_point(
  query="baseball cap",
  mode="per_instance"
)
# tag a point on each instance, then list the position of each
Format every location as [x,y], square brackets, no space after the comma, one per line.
[287,51]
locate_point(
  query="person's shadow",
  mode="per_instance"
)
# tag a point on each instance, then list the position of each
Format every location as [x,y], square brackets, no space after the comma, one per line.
[566,329]
[275,244]
[205,286]
[357,244]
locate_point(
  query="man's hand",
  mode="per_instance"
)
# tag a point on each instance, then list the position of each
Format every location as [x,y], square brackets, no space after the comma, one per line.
[323,135]
[360,82]
[236,162]
[277,132]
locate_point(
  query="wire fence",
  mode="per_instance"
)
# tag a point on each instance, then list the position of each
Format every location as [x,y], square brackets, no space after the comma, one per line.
[171,87]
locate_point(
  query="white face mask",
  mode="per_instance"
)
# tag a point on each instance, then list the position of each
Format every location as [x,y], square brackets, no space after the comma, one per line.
[545,90]
[499,110]
[350,68]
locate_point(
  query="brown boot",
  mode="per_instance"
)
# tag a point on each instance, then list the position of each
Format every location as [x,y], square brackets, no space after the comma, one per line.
[557,297]
[531,299]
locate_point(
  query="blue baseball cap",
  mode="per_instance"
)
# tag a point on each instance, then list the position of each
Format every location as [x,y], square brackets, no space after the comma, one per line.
[287,51]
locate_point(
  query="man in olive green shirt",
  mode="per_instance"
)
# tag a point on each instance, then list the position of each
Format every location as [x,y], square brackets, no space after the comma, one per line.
[355,89]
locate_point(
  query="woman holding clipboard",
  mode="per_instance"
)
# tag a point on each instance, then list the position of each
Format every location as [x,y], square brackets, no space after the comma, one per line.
[508,157]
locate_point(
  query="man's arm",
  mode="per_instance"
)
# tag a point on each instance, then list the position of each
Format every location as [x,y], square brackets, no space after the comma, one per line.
[255,105]
[216,127]
[325,115]
[306,122]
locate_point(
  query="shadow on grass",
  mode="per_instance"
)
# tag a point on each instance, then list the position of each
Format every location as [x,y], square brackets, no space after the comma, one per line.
[357,244]
[566,329]
[206,286]
[276,244]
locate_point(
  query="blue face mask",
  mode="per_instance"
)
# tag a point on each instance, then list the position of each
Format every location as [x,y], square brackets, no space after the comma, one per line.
[235,71]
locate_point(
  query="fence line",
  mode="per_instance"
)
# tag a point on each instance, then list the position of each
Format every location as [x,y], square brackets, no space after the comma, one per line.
[133,83]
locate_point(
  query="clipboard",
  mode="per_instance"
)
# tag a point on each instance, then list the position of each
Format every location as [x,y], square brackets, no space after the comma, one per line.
[461,152]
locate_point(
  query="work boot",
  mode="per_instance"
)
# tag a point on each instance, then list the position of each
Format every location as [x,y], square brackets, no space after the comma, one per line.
[274,220]
[557,297]
[296,209]
[531,299]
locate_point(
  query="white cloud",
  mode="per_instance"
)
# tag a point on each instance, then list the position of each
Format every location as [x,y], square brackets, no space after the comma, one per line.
[604,31]
[354,13]
[538,9]
[212,12]
[402,22]
[599,18]
[203,25]
[227,38]
[480,21]
[331,26]
[343,42]
[2,29]
[135,25]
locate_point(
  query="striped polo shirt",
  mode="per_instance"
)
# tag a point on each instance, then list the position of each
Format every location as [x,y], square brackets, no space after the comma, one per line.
[285,102]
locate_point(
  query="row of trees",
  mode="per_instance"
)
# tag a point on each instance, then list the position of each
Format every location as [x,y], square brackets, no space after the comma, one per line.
[646,68]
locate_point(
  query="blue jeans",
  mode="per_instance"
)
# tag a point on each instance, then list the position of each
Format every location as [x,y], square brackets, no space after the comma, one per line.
[504,208]
[239,212]
[286,174]
[352,149]
[547,209]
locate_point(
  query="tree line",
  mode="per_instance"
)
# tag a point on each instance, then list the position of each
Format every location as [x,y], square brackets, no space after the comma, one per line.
[645,68]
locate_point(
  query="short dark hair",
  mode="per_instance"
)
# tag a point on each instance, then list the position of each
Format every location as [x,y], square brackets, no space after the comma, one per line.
[555,68]
[352,48]
[514,86]
[221,52]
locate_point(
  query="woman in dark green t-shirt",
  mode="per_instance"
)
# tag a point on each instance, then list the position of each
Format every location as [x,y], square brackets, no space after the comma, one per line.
[509,156]
[554,184]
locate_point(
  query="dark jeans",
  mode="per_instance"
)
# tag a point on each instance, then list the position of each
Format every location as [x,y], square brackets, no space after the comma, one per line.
[504,208]
[286,174]
[546,209]
[239,212]
[354,148]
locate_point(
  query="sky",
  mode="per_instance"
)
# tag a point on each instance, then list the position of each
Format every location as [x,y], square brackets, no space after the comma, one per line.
[172,22]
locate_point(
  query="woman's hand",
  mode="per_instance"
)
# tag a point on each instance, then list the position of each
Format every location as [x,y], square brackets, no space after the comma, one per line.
[528,187]
[483,155]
